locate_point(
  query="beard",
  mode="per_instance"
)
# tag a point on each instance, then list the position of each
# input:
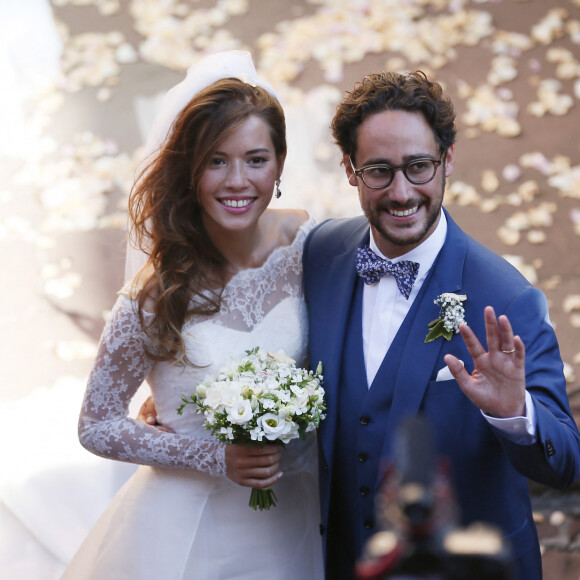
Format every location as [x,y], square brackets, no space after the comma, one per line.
[399,236]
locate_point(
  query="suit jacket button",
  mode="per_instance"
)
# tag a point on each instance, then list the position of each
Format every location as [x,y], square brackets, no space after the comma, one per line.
[362,457]
[364,420]
[368,524]
[550,448]
[321,529]
[364,490]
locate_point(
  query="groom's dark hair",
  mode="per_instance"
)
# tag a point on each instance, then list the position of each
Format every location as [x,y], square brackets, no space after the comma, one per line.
[391,91]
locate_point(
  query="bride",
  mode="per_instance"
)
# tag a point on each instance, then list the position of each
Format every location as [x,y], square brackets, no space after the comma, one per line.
[222,275]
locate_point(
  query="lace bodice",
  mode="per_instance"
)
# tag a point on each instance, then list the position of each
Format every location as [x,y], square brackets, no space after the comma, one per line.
[260,307]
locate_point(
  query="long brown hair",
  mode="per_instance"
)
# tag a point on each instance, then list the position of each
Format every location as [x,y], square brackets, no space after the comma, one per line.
[165,216]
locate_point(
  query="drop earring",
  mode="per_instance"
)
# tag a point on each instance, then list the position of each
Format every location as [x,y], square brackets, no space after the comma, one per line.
[278,192]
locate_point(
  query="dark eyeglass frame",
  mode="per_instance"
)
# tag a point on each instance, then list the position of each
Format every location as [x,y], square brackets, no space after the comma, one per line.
[394,168]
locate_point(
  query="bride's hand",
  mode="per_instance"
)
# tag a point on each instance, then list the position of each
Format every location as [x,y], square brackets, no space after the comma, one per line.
[148,414]
[253,466]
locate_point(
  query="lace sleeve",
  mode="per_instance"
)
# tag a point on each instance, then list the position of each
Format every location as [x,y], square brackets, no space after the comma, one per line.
[105,429]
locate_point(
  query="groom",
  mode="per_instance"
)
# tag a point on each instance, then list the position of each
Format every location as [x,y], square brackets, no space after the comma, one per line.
[495,398]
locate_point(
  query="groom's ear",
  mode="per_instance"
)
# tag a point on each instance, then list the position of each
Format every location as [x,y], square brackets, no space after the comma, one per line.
[450,161]
[349,171]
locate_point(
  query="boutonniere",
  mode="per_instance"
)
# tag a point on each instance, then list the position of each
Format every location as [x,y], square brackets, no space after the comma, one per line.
[451,317]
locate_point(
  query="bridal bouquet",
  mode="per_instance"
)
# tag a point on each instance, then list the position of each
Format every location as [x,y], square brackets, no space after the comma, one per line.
[260,398]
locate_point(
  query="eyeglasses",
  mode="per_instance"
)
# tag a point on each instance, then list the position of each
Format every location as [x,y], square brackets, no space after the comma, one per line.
[417,172]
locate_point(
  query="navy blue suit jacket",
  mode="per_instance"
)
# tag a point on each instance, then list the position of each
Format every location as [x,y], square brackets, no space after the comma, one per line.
[489,471]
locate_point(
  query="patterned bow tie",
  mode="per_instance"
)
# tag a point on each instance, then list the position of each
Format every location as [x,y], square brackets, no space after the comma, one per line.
[371,268]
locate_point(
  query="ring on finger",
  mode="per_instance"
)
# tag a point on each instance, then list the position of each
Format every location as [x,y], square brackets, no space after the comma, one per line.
[508,351]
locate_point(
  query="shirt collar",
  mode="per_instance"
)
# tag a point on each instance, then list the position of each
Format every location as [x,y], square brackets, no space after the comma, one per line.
[425,253]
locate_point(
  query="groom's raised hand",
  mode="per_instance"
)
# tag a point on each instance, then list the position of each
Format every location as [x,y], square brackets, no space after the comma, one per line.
[497,384]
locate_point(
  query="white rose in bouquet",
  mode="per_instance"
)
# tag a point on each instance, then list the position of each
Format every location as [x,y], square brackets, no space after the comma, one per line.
[274,426]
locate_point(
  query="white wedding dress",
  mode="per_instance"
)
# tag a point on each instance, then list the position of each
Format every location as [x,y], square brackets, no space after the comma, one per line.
[179,516]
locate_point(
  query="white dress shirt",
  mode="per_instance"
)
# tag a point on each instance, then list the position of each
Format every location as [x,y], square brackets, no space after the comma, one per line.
[384,309]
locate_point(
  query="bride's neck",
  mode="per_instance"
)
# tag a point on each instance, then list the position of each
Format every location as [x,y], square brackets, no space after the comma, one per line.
[242,249]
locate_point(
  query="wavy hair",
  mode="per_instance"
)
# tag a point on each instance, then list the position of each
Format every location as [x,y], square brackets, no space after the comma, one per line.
[166,221]
[391,91]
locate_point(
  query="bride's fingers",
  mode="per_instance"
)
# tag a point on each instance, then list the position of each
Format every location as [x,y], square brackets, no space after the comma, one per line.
[253,453]
[257,451]
[263,459]
[263,462]
[264,473]
[262,483]
[247,467]
[260,477]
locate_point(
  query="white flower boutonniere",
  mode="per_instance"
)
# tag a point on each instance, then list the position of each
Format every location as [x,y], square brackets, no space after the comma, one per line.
[451,317]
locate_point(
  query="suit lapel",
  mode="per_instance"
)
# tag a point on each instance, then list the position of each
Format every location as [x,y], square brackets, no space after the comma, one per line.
[341,278]
[418,361]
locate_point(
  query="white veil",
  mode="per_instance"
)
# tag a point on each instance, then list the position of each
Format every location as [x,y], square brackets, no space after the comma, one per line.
[208,70]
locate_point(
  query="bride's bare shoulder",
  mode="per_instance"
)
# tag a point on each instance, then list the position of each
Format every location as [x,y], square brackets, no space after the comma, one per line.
[133,288]
[287,222]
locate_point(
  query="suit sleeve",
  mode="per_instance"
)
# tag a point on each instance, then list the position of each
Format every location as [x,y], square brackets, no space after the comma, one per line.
[554,459]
